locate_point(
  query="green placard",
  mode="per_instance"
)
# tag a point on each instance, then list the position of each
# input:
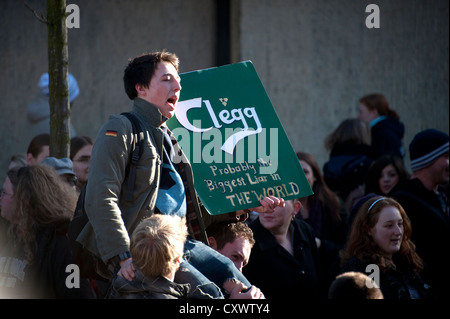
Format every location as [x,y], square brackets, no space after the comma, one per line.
[227,127]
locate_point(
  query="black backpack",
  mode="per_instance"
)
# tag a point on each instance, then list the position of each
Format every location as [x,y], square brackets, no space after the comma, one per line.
[90,265]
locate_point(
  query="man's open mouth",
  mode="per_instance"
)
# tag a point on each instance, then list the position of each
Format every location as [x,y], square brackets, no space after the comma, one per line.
[172,100]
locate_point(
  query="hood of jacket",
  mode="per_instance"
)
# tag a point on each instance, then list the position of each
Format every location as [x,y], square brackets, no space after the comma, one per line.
[38,109]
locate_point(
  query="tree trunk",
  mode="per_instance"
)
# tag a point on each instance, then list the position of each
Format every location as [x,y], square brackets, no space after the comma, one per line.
[58,70]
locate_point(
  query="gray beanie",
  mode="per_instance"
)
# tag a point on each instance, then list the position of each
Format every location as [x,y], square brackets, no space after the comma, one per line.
[426,147]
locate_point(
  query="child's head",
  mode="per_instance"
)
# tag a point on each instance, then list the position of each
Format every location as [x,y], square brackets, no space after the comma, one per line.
[157,244]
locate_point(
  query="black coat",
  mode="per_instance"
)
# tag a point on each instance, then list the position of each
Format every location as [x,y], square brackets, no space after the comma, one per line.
[393,283]
[48,276]
[332,234]
[387,137]
[430,231]
[279,274]
[347,167]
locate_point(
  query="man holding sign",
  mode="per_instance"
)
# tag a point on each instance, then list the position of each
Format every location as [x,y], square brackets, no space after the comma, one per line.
[162,184]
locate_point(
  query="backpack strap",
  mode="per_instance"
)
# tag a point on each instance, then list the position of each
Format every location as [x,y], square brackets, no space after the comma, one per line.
[137,149]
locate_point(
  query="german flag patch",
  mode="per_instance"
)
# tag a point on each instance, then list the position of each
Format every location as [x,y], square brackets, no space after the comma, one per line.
[111,133]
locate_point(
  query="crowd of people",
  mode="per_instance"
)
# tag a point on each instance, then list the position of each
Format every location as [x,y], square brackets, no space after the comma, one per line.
[371,229]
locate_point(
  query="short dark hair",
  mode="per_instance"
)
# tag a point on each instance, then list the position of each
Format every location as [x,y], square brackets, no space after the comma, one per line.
[37,143]
[141,69]
[227,232]
[77,143]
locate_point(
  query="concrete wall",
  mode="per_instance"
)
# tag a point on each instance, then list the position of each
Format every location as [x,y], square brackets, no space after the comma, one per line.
[315,59]
[111,32]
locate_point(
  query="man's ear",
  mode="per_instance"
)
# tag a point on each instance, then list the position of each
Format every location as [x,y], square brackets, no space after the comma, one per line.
[140,89]
[30,159]
[212,242]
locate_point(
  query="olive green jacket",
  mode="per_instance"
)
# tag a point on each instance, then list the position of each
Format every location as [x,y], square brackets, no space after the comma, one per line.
[112,218]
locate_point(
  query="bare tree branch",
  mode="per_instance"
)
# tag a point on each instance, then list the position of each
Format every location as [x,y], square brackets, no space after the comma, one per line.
[39,16]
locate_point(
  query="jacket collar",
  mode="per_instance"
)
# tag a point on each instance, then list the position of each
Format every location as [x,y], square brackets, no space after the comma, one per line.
[378,119]
[149,112]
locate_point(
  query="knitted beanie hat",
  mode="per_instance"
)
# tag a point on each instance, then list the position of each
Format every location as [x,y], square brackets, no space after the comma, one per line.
[426,147]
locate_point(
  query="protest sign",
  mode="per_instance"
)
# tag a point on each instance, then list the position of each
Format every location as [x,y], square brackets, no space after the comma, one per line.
[227,127]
